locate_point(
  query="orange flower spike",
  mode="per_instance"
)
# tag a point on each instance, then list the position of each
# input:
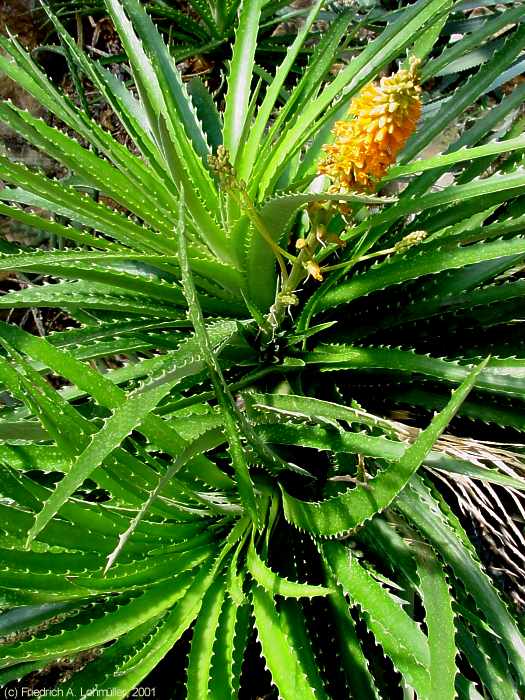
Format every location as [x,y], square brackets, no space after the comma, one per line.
[384,116]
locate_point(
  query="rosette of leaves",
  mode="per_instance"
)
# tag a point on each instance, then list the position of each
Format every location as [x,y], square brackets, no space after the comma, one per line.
[206,26]
[222,487]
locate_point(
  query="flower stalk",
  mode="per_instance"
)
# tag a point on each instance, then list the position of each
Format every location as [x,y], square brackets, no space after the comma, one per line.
[383,116]
[304,265]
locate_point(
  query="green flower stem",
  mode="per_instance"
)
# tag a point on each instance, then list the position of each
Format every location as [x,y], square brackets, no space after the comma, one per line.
[299,272]
[353,261]
[290,284]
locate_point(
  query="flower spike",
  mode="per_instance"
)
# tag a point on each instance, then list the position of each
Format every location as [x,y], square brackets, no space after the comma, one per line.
[383,116]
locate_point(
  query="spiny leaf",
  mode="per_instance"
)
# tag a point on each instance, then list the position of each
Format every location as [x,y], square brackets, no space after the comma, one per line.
[490,27]
[240,76]
[228,651]
[486,659]
[110,626]
[445,533]
[277,211]
[115,430]
[209,440]
[108,394]
[468,92]
[228,409]
[177,620]
[351,509]
[284,660]
[204,635]
[459,156]
[276,585]
[499,375]
[354,661]
[251,148]
[110,664]
[361,70]
[426,41]
[399,635]
[439,619]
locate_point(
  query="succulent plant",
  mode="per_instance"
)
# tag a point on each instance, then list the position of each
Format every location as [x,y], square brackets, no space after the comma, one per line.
[212,450]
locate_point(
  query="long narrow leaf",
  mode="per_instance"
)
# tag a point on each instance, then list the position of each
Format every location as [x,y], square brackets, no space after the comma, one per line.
[229,412]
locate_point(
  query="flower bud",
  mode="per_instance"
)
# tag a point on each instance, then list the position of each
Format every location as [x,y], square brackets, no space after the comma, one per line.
[411,239]
[313,270]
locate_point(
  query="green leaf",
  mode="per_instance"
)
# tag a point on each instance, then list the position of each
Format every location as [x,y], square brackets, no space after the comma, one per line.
[464,154]
[400,637]
[446,298]
[284,660]
[153,125]
[353,659]
[466,95]
[471,136]
[138,272]
[94,171]
[420,507]
[240,75]
[277,585]
[251,149]
[295,629]
[228,651]
[278,214]
[472,408]
[312,409]
[351,509]
[177,620]
[485,659]
[68,233]
[389,44]
[105,391]
[21,68]
[206,112]
[205,633]
[226,403]
[72,295]
[58,418]
[507,186]
[473,40]
[439,619]
[425,43]
[152,602]
[208,440]
[116,428]
[278,211]
[158,79]
[503,376]
[56,197]
[113,659]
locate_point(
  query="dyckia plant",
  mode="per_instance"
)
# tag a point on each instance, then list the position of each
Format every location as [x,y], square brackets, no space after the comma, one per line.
[203,27]
[211,457]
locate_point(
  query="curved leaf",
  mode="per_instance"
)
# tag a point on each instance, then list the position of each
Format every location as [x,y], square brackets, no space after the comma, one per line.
[399,635]
[420,507]
[351,509]
[240,76]
[439,620]
[285,661]
[276,585]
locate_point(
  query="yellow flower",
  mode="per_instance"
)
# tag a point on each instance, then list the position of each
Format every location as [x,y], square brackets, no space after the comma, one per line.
[313,269]
[384,116]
